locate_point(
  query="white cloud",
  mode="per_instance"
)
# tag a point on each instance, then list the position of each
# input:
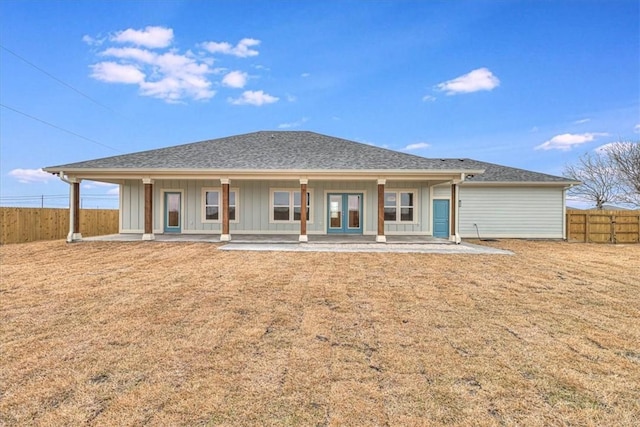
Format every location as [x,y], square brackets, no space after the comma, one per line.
[235,79]
[305,75]
[114,190]
[428,98]
[636,128]
[93,41]
[534,129]
[293,124]
[567,141]
[171,75]
[112,72]
[581,121]
[604,148]
[30,176]
[152,37]
[256,98]
[241,50]
[417,146]
[474,81]
[133,53]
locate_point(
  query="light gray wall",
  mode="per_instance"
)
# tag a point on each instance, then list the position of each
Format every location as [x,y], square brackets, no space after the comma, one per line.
[253,205]
[132,207]
[516,212]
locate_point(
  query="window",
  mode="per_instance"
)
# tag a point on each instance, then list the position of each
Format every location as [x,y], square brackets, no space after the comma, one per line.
[286,205]
[212,205]
[399,206]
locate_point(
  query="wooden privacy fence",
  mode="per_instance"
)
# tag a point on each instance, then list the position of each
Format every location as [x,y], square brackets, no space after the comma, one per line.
[20,225]
[600,226]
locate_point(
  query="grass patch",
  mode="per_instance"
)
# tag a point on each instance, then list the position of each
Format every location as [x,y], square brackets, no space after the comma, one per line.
[155,333]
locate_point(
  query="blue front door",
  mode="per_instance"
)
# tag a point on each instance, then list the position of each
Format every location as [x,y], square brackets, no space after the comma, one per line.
[440,218]
[172,212]
[344,213]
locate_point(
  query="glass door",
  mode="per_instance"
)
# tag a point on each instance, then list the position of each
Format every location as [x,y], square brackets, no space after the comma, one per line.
[344,213]
[354,206]
[172,214]
[335,213]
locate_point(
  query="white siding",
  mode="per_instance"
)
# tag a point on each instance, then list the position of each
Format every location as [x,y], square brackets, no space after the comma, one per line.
[253,206]
[511,212]
[132,207]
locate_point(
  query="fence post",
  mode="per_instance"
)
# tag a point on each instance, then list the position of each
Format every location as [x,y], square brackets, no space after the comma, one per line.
[587,220]
[613,229]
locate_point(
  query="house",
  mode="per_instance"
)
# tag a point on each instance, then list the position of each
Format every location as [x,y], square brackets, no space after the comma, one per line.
[304,183]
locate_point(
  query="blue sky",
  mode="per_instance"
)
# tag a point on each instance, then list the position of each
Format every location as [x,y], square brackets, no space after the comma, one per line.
[529,84]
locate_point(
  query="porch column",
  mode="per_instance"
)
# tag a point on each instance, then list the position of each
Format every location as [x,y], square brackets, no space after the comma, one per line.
[303,210]
[453,234]
[74,210]
[148,209]
[380,237]
[225,236]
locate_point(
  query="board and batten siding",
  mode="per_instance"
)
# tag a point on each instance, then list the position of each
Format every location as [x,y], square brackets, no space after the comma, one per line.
[511,212]
[132,206]
[253,206]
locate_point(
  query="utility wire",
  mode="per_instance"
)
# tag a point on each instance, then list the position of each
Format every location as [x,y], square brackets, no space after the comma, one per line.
[59,128]
[57,79]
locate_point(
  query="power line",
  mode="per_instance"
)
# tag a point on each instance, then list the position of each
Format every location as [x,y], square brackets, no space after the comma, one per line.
[59,200]
[57,79]
[60,128]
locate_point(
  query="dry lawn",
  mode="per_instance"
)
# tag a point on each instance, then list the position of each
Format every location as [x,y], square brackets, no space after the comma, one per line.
[185,334]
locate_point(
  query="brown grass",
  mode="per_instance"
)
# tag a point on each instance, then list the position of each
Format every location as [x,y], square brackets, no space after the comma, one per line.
[184,334]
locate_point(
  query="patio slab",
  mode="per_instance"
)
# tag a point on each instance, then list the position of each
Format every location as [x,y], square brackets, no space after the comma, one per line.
[463,248]
[318,243]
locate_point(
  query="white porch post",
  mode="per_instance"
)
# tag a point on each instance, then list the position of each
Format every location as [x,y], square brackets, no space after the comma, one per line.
[74,208]
[454,235]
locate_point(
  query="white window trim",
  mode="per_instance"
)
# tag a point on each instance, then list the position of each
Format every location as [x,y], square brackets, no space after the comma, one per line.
[416,203]
[290,191]
[203,205]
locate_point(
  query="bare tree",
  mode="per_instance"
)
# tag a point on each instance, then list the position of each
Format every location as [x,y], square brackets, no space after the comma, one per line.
[600,180]
[625,158]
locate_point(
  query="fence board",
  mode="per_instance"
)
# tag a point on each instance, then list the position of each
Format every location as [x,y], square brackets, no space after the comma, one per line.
[600,226]
[19,225]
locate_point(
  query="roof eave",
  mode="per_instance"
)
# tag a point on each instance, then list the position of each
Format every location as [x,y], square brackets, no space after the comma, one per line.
[247,173]
[567,183]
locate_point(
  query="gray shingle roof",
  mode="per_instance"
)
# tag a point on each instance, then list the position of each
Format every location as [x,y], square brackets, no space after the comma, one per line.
[499,173]
[294,150]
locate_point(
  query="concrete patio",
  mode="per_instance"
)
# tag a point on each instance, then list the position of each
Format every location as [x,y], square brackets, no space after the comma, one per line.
[317,243]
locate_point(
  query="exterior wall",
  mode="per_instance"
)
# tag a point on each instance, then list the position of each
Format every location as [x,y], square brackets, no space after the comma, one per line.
[132,207]
[442,191]
[253,206]
[511,212]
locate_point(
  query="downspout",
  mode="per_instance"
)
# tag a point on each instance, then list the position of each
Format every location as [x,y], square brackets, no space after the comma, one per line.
[457,238]
[564,211]
[71,237]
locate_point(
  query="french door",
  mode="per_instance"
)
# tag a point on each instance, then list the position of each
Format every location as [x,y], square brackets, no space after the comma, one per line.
[344,213]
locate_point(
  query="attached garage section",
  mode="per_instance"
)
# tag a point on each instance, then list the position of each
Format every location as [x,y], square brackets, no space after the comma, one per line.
[512,211]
